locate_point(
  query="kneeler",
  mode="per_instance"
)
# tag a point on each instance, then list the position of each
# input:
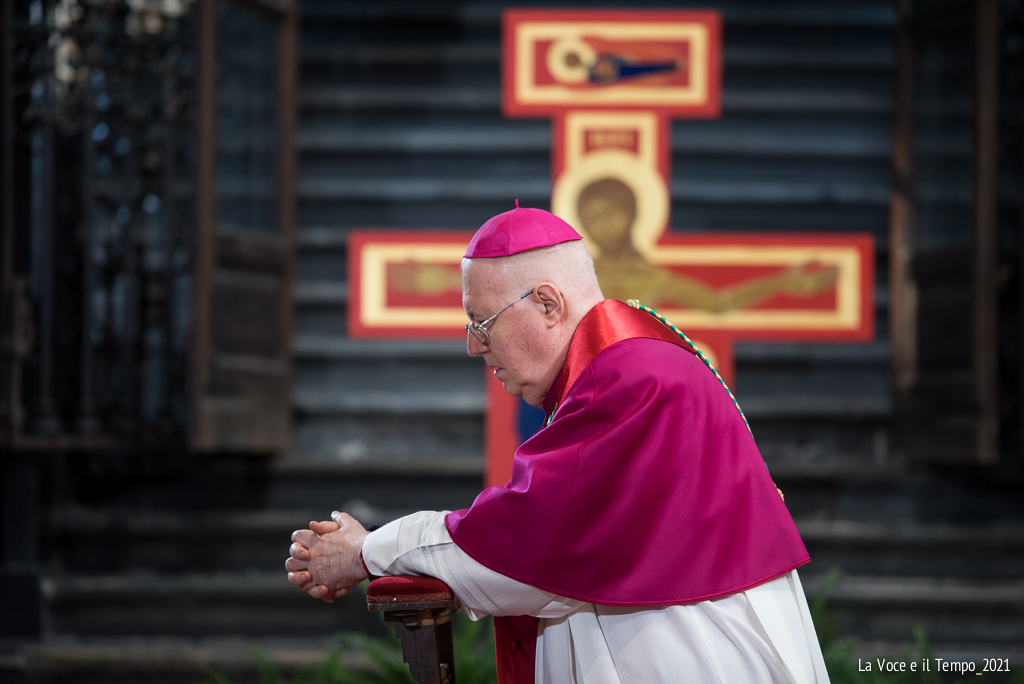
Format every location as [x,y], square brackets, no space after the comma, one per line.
[419,609]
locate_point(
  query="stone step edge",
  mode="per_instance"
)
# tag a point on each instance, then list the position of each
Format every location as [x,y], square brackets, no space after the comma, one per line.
[80,520]
[295,466]
[320,403]
[752,192]
[173,655]
[188,654]
[479,15]
[848,590]
[381,142]
[389,402]
[489,55]
[487,98]
[340,347]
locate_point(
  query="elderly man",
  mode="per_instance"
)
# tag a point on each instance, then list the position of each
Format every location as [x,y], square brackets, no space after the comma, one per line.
[640,538]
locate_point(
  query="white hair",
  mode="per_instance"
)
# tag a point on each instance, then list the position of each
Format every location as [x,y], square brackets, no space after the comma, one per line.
[567,265]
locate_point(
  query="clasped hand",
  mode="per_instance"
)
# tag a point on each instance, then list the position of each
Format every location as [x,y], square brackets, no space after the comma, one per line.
[325,560]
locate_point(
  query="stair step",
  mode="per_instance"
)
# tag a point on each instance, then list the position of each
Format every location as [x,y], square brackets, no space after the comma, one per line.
[199,485]
[446,54]
[447,98]
[873,353]
[924,591]
[489,56]
[393,386]
[384,402]
[812,406]
[170,660]
[316,238]
[480,15]
[538,191]
[321,292]
[167,659]
[893,495]
[339,376]
[957,536]
[168,541]
[251,604]
[888,608]
[470,403]
[955,551]
[314,345]
[427,140]
[529,191]
[835,469]
[515,138]
[488,98]
[163,542]
[415,484]
[411,440]
[872,607]
[189,525]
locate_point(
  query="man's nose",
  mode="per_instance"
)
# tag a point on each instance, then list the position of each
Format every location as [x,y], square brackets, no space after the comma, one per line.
[474,346]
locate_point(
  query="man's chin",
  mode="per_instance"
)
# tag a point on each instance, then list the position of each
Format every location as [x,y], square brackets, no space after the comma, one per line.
[513,389]
[530,395]
[517,390]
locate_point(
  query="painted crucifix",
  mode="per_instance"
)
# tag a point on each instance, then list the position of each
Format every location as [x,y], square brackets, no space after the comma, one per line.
[612,81]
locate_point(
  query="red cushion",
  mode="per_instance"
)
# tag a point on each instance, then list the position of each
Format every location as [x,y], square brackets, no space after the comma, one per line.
[407,589]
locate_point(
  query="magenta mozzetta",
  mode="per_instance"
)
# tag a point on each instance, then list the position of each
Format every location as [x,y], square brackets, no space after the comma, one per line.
[646,489]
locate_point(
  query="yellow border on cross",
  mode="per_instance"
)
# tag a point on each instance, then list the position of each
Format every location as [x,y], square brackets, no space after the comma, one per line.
[373,283]
[527,92]
[374,311]
[845,316]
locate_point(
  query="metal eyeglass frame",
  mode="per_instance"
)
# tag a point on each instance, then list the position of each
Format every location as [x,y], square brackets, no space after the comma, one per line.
[479,330]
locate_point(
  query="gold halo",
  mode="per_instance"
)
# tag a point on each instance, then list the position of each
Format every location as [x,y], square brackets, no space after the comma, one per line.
[562,71]
[647,185]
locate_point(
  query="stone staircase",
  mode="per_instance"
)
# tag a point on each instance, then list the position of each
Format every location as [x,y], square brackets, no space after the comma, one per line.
[158,582]
[144,591]
[160,568]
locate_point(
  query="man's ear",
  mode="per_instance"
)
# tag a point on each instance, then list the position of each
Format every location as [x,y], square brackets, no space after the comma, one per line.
[553,302]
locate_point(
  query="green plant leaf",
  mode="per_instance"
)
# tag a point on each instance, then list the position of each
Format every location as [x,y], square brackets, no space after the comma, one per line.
[265,670]
[215,677]
[826,623]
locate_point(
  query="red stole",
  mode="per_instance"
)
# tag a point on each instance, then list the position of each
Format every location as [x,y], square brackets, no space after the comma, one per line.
[609,322]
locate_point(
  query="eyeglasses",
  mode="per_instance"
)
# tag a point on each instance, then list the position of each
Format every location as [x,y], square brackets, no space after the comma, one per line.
[480,330]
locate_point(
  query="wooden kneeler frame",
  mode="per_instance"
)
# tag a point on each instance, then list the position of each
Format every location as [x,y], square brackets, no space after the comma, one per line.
[419,609]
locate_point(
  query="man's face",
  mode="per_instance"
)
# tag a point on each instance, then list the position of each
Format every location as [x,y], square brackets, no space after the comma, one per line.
[517,348]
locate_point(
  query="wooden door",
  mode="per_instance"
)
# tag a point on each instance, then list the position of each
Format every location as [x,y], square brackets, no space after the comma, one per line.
[240,365]
[945,256]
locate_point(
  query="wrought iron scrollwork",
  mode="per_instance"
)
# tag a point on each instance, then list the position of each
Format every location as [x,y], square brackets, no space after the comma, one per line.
[102,151]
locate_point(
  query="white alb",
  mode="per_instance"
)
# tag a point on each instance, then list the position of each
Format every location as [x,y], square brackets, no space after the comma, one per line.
[756,636]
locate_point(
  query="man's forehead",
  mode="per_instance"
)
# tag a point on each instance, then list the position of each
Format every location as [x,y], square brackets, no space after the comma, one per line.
[482,284]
